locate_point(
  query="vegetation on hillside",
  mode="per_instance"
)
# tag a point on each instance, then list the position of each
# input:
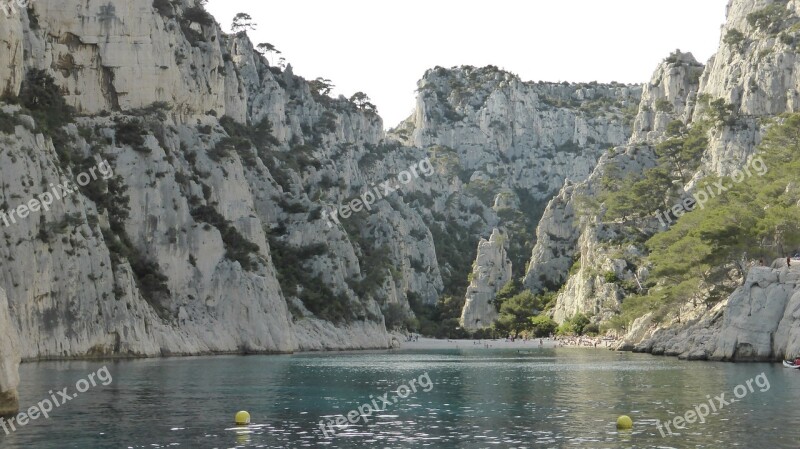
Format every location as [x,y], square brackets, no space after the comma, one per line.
[706,252]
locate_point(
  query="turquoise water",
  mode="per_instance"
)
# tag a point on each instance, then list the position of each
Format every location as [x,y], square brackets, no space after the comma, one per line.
[549,398]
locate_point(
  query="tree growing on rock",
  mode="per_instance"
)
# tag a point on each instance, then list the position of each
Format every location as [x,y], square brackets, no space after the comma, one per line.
[362,102]
[242,22]
[268,50]
[321,86]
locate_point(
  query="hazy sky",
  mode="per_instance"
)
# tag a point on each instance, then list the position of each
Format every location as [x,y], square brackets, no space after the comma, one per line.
[383,48]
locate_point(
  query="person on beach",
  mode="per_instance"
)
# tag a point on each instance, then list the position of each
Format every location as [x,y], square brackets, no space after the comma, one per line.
[789,261]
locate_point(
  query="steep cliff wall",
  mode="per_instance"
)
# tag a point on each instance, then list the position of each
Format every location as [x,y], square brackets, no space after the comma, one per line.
[571,234]
[751,79]
[203,231]
[491,272]
[9,360]
[515,144]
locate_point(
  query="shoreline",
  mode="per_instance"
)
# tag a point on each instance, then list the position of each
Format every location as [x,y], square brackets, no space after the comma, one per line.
[423,343]
[546,343]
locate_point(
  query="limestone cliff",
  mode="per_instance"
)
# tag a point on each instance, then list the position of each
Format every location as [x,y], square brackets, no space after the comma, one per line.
[515,144]
[491,272]
[759,322]
[9,360]
[570,234]
[203,232]
[752,78]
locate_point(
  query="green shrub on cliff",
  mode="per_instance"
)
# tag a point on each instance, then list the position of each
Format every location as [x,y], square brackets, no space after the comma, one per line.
[707,251]
[771,18]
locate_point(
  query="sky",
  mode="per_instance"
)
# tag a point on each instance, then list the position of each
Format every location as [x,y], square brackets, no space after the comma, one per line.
[383,48]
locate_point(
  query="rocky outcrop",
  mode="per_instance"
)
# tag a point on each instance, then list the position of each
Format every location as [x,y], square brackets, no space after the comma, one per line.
[753,77]
[570,233]
[755,71]
[530,136]
[11,72]
[758,322]
[9,360]
[194,242]
[491,272]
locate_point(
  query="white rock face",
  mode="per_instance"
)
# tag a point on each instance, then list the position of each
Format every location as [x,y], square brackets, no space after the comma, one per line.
[70,297]
[758,322]
[9,360]
[113,55]
[569,233]
[491,272]
[758,77]
[11,71]
[534,135]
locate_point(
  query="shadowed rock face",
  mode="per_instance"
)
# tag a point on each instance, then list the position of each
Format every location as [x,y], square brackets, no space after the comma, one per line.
[9,360]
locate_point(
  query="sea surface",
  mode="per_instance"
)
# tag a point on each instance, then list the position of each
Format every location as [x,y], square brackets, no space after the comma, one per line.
[476,398]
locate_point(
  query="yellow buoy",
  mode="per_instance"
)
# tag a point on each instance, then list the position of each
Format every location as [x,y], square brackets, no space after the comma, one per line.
[242,418]
[624,422]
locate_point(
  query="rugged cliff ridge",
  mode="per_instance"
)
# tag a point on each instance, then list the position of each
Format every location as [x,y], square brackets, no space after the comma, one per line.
[516,143]
[752,78]
[570,235]
[208,228]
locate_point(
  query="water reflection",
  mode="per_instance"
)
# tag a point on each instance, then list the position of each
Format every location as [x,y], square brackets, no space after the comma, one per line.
[481,398]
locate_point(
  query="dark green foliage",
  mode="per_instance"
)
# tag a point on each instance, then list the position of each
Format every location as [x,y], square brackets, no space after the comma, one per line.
[771,18]
[227,145]
[151,281]
[734,38]
[456,248]
[722,112]
[131,132]
[440,320]
[639,196]
[326,123]
[575,325]
[516,313]
[675,128]
[710,246]
[296,280]
[242,138]
[518,307]
[520,227]
[682,154]
[300,158]
[611,277]
[664,105]
[507,292]
[164,7]
[373,258]
[48,232]
[33,18]
[543,326]
[7,123]
[43,99]
[237,247]
[395,316]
